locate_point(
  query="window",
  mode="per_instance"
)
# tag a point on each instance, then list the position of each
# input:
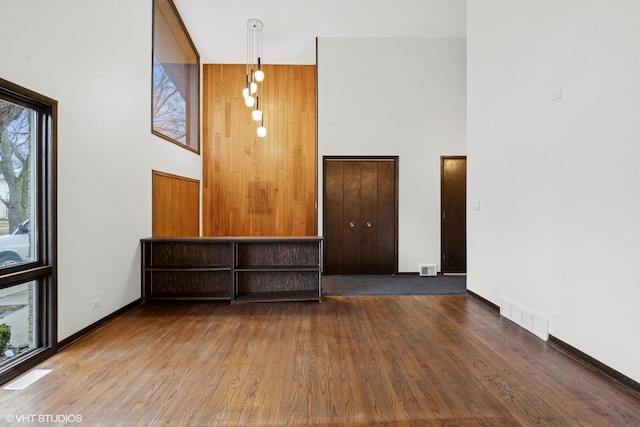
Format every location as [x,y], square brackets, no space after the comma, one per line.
[27,229]
[176,78]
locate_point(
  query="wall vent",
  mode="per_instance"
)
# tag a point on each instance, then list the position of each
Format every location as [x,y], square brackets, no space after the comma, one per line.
[428,269]
[529,320]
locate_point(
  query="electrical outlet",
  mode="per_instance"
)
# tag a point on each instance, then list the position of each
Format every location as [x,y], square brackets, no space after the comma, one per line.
[96,303]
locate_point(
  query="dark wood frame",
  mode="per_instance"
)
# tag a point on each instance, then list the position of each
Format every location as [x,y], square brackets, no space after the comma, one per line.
[43,269]
[193,105]
[396,160]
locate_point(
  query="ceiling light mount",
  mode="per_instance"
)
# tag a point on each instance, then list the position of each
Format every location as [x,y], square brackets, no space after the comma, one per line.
[254,24]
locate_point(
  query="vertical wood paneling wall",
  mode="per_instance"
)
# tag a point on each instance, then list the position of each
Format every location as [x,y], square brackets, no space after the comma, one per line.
[175,206]
[259,186]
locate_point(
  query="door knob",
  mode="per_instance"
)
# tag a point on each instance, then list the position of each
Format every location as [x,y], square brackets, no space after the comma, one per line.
[352,224]
[368,223]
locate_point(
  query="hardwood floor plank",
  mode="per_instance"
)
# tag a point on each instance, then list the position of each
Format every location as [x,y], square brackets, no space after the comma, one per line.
[348,361]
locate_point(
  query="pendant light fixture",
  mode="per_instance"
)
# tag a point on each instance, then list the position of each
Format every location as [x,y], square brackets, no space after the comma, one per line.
[256,114]
[262,131]
[255,74]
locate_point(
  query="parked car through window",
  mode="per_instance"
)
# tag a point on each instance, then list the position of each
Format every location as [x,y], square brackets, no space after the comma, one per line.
[15,247]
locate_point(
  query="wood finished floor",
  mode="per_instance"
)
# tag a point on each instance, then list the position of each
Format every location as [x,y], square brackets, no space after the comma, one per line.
[348,361]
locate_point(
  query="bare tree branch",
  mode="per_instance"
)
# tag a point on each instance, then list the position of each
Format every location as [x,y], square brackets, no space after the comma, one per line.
[15,157]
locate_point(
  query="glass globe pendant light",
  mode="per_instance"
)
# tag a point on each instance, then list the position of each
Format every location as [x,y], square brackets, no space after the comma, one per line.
[261,131]
[256,114]
[259,74]
[255,74]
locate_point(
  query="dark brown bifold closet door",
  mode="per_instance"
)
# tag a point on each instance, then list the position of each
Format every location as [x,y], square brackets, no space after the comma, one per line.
[360,208]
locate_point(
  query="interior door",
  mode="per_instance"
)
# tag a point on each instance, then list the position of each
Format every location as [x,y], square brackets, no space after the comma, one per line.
[454,214]
[175,206]
[360,215]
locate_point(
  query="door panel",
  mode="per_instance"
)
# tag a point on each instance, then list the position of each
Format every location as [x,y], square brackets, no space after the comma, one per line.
[334,221]
[175,206]
[368,221]
[387,205]
[351,203]
[454,208]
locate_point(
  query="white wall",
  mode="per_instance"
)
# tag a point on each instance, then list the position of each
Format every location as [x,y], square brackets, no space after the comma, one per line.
[396,96]
[559,219]
[94,57]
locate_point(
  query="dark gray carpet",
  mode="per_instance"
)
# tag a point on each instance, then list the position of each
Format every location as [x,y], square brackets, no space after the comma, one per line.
[394,285]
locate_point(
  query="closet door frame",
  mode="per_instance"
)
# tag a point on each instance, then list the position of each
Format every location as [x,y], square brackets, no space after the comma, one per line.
[394,207]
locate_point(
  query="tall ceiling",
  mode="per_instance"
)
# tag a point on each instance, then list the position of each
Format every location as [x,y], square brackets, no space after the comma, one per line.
[218,27]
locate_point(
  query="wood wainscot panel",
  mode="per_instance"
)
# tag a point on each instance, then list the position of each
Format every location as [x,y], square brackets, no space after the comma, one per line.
[176,205]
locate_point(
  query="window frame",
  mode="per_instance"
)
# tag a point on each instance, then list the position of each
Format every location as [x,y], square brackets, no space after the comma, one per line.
[179,39]
[43,268]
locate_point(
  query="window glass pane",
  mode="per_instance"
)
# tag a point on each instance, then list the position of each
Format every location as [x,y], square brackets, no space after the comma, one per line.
[18,321]
[169,106]
[175,78]
[17,136]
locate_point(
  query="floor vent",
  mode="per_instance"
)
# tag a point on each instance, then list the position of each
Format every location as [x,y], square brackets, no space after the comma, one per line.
[27,379]
[529,320]
[428,269]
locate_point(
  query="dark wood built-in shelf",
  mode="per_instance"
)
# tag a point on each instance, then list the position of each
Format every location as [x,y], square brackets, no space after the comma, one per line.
[242,269]
[277,296]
